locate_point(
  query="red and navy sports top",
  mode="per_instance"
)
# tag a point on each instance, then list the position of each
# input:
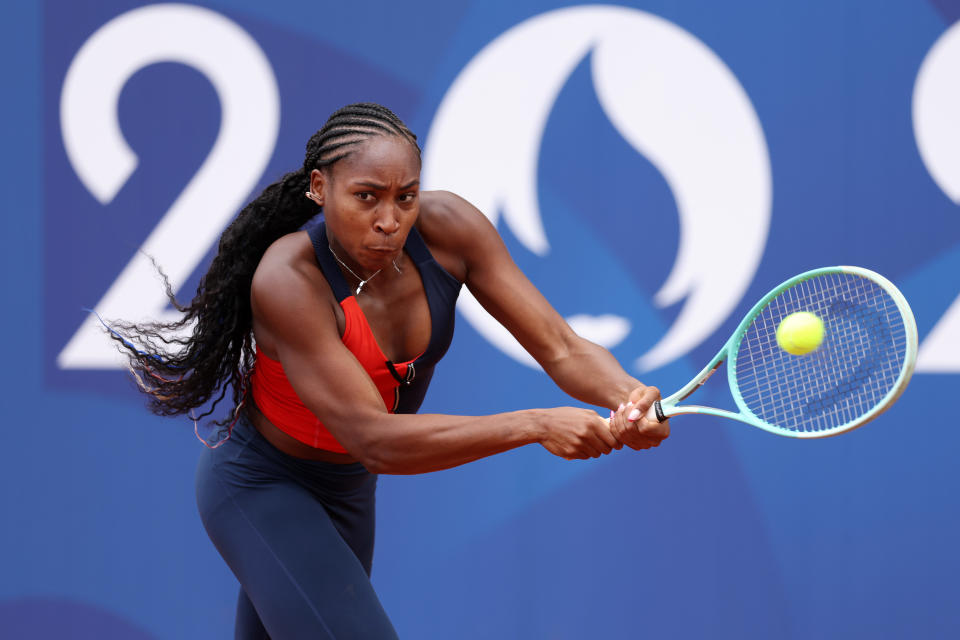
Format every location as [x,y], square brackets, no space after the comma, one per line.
[402,385]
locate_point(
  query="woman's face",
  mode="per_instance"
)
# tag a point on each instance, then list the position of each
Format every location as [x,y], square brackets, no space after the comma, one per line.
[370,200]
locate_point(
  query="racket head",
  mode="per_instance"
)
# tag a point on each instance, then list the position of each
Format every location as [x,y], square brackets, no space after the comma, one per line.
[862,366]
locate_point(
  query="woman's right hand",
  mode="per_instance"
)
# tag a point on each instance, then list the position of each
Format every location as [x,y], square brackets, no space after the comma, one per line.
[573,433]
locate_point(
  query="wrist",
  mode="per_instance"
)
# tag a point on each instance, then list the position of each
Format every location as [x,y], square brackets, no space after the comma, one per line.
[533,425]
[623,391]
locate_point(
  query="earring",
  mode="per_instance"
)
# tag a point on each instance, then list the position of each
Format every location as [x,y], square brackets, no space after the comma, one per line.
[312,196]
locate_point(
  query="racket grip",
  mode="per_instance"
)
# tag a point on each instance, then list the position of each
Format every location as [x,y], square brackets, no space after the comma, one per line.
[655,413]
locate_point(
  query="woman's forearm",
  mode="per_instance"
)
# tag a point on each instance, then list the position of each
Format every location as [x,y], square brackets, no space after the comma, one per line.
[404,444]
[420,443]
[591,374]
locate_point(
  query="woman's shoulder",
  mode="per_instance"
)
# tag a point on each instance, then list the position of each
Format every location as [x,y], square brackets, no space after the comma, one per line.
[441,201]
[287,262]
[446,207]
[286,279]
[448,219]
[451,226]
[291,250]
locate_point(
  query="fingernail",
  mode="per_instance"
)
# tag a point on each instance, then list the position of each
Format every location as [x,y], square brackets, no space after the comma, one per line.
[611,414]
[633,415]
[630,404]
[620,408]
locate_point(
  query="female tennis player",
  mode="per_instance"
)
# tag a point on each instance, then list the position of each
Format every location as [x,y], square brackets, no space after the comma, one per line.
[327,339]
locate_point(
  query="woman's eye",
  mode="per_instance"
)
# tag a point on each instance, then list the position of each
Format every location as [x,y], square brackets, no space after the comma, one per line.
[408,197]
[365,195]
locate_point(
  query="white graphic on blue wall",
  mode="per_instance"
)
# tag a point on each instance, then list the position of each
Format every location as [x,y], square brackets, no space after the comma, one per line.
[936,126]
[671,98]
[250,102]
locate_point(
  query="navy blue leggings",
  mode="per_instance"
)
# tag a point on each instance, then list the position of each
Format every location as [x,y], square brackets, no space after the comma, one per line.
[298,535]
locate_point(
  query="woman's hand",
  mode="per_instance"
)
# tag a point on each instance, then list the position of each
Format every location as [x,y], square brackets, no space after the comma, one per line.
[575,433]
[629,424]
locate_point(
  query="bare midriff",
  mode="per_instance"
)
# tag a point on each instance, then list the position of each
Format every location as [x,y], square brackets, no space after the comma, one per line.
[290,445]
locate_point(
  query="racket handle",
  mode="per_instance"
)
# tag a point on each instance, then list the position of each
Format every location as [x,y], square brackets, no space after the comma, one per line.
[655,413]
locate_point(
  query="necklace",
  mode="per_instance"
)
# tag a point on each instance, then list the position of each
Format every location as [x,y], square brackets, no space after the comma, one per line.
[354,274]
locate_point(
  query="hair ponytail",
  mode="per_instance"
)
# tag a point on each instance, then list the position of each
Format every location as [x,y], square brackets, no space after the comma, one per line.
[218,352]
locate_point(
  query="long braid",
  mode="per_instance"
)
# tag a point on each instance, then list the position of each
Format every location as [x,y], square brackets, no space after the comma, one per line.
[218,352]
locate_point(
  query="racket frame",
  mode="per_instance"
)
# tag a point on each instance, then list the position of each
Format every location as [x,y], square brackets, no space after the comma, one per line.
[668,407]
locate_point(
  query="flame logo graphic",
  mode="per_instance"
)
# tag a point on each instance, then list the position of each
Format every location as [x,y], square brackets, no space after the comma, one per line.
[671,98]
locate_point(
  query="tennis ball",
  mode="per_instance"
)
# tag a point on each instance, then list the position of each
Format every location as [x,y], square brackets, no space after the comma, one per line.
[800,333]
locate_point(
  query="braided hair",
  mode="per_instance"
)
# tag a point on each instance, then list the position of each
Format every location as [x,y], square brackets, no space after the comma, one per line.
[212,343]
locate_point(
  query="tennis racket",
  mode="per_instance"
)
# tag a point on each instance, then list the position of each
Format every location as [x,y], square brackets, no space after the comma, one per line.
[860,368]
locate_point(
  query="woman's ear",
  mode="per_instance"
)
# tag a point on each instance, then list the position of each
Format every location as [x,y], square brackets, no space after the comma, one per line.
[318,182]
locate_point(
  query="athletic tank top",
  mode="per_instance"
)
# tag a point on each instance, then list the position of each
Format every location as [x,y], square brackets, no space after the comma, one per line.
[402,385]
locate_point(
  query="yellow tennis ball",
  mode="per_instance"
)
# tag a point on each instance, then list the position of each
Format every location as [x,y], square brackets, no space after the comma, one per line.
[800,333]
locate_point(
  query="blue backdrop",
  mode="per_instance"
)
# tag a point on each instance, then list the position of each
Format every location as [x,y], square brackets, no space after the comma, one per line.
[654,166]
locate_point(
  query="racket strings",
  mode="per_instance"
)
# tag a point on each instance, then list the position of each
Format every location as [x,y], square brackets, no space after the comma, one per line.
[853,370]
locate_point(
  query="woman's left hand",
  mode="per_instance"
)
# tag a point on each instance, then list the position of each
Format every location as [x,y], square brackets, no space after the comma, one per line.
[629,424]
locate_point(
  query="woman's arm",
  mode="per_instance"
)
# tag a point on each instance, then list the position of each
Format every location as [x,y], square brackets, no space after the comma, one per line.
[581,368]
[294,315]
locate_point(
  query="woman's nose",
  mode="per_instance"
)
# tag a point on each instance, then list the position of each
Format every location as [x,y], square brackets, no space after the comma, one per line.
[387,221]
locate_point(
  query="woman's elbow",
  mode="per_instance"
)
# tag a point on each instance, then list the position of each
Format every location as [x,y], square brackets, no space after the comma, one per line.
[387,457]
[372,462]
[374,452]
[381,445]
